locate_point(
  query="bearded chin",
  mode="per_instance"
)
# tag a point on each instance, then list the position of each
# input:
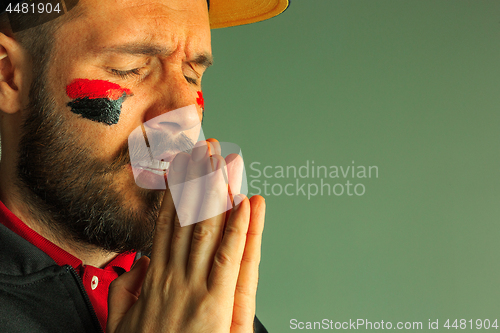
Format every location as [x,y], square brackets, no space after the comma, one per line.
[72,193]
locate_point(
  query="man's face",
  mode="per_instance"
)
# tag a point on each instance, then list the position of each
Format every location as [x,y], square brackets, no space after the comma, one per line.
[78,167]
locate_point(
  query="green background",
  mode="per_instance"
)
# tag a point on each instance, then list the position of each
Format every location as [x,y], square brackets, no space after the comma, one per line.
[409,86]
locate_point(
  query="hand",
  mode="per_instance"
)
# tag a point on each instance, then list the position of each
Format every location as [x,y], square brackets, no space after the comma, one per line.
[202,277]
[248,277]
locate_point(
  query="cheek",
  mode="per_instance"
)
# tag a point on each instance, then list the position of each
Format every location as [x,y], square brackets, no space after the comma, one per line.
[102,110]
[200,101]
[97,100]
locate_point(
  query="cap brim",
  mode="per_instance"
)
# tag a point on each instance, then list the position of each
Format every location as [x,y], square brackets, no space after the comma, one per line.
[229,13]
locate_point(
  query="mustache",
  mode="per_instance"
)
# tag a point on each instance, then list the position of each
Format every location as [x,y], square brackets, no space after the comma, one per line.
[159,143]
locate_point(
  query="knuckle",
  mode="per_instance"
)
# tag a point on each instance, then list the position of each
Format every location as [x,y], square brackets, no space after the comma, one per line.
[222,259]
[255,260]
[246,291]
[202,233]
[164,218]
[254,233]
[161,228]
[234,231]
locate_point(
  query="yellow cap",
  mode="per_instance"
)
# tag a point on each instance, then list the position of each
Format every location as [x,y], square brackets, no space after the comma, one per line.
[228,13]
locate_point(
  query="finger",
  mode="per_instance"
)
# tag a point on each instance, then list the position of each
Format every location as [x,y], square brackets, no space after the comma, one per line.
[246,286]
[124,292]
[160,253]
[235,166]
[199,166]
[214,146]
[213,149]
[216,191]
[189,205]
[177,176]
[208,233]
[165,224]
[226,265]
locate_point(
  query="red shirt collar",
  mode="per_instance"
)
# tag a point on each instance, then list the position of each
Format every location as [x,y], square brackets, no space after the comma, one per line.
[60,256]
[95,280]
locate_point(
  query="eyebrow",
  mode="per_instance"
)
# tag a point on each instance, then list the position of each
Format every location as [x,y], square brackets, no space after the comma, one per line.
[204,59]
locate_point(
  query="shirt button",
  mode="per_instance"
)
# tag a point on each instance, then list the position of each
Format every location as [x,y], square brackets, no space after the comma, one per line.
[95,282]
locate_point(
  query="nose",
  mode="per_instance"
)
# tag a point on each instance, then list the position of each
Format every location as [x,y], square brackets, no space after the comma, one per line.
[176,110]
[175,121]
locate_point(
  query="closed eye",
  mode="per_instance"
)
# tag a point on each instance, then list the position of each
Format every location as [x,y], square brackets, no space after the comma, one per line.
[137,72]
[191,80]
[126,74]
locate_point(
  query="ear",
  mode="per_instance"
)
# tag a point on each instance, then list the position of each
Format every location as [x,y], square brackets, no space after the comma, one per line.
[12,61]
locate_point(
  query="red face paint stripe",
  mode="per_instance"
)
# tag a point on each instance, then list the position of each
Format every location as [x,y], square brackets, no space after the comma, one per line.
[92,89]
[200,100]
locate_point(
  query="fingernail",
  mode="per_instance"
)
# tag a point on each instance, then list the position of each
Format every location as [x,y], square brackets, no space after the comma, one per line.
[199,152]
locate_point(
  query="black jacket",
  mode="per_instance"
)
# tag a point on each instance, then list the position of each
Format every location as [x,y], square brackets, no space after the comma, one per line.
[37,295]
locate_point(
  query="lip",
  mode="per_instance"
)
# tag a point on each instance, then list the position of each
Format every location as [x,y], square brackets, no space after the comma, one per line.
[149,178]
[156,171]
[155,163]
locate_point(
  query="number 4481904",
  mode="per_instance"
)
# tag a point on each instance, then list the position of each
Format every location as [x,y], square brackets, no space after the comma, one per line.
[40,8]
[479,324]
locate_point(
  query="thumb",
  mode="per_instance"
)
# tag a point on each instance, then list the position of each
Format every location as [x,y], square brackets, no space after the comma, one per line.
[124,292]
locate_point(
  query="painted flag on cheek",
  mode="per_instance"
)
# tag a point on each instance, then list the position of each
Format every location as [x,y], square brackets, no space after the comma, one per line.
[97,100]
[200,100]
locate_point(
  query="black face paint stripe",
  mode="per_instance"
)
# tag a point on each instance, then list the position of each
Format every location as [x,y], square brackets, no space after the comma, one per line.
[103,110]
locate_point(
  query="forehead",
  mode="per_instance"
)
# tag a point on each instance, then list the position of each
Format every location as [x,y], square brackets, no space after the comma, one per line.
[173,23]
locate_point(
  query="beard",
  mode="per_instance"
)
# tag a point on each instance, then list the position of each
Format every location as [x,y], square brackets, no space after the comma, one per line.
[75,195]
